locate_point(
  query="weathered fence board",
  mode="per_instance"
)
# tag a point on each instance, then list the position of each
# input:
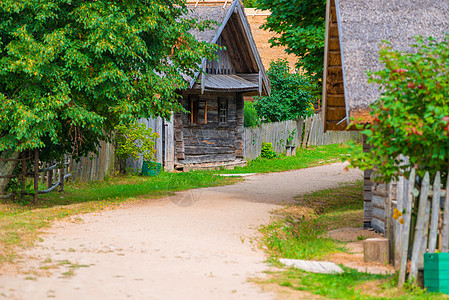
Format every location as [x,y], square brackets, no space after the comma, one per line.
[308,132]
[94,167]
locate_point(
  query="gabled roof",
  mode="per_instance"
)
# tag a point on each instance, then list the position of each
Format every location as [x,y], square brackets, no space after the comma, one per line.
[229,15]
[356,30]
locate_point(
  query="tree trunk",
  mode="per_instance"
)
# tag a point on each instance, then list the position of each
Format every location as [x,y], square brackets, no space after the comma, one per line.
[6,168]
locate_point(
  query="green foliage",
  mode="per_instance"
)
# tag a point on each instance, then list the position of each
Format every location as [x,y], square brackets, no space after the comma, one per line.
[249,3]
[70,70]
[301,28]
[267,151]
[135,140]
[251,118]
[291,96]
[291,136]
[412,115]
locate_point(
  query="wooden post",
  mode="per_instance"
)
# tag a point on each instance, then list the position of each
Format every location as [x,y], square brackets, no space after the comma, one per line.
[419,229]
[445,234]
[61,176]
[406,230]
[50,177]
[389,188]
[435,213]
[24,171]
[398,232]
[36,175]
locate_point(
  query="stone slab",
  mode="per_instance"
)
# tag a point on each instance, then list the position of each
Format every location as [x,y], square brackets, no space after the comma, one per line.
[324,267]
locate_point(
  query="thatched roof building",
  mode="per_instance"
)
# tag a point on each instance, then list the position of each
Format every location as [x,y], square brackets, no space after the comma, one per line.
[354,31]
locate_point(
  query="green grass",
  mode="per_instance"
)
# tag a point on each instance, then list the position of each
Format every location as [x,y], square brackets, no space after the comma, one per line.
[299,233]
[348,285]
[305,157]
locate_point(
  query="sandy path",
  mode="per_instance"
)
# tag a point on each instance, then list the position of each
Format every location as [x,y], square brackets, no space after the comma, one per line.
[195,245]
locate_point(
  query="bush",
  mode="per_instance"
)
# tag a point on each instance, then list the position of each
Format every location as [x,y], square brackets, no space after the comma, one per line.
[267,151]
[412,115]
[251,118]
[292,95]
[135,140]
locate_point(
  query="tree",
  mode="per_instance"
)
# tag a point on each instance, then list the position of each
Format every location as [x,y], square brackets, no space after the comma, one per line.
[301,28]
[412,115]
[291,95]
[70,70]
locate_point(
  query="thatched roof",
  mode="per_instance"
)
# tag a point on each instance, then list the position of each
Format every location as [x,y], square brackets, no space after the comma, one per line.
[234,29]
[363,25]
[214,13]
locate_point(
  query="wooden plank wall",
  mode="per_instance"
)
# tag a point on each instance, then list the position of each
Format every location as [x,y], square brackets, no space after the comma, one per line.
[214,141]
[94,167]
[309,132]
[367,193]
[156,124]
[334,89]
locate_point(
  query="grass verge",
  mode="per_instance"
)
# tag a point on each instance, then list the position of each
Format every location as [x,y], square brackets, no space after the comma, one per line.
[300,233]
[305,157]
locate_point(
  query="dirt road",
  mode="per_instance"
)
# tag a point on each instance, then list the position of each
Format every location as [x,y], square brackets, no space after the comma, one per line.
[196,245]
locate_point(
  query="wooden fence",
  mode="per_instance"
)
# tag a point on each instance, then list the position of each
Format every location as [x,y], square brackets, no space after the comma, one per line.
[416,215]
[95,167]
[307,132]
[53,174]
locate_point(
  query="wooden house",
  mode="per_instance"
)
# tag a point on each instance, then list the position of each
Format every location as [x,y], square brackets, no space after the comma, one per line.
[213,130]
[211,134]
[354,32]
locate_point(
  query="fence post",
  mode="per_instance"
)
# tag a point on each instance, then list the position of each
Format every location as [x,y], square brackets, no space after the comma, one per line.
[435,213]
[24,172]
[36,175]
[445,234]
[419,229]
[406,230]
[61,175]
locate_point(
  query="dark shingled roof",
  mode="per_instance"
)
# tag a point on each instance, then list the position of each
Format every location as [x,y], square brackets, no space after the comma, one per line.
[363,24]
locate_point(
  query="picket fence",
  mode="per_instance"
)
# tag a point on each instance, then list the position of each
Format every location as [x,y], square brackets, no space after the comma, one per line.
[417,221]
[307,132]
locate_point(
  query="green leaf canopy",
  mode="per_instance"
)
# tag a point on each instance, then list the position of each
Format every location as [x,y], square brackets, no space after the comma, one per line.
[301,28]
[71,69]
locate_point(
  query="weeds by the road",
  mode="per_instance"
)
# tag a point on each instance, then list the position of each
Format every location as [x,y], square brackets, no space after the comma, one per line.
[300,233]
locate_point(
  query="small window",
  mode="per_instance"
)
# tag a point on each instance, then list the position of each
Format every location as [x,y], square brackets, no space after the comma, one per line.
[222,111]
[198,110]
